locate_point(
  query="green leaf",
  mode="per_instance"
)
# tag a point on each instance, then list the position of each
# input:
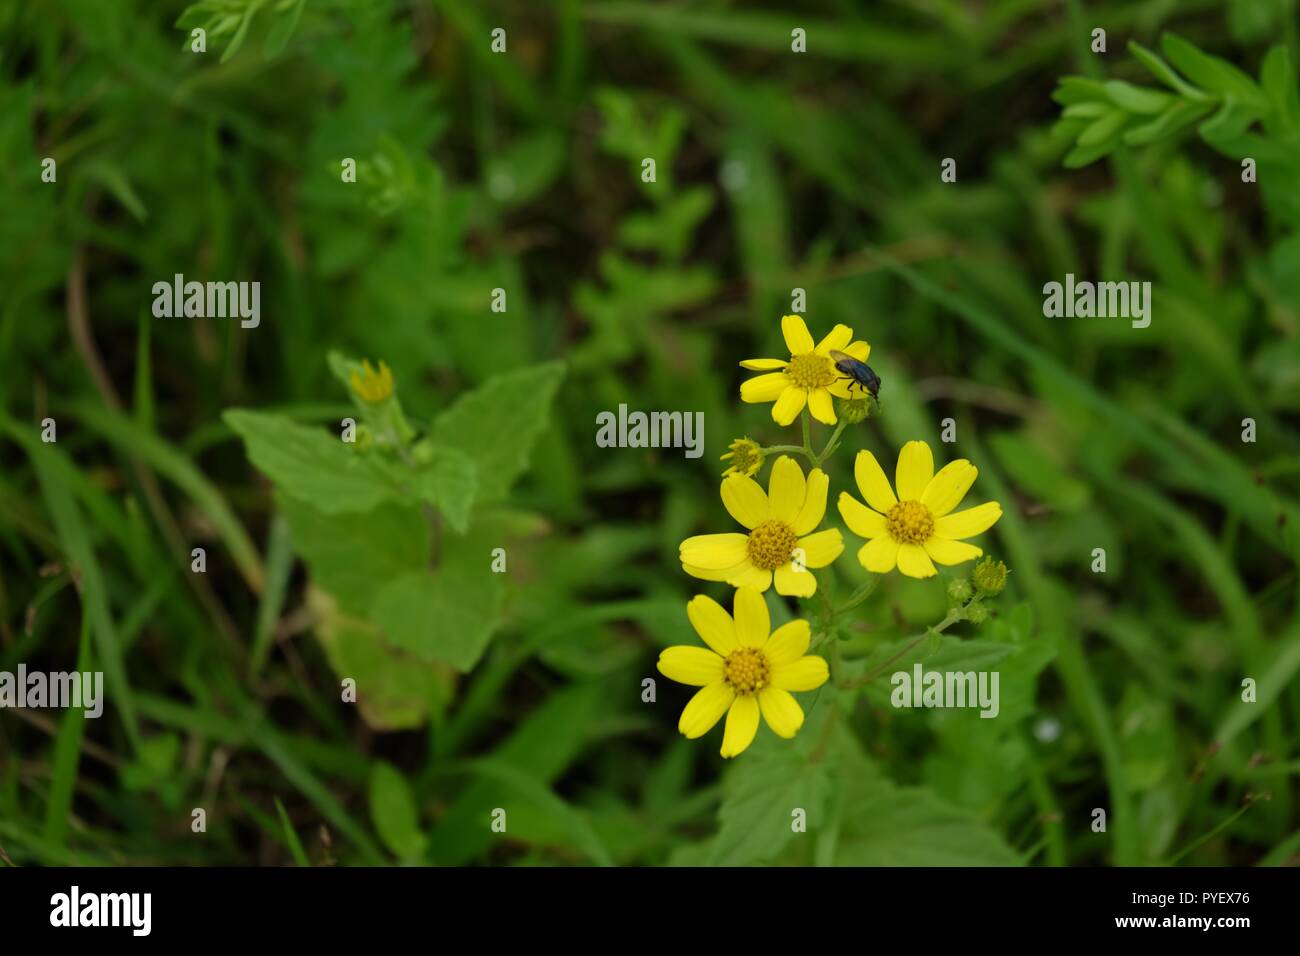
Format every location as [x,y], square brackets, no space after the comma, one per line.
[352,556]
[1164,73]
[497,424]
[1137,99]
[762,792]
[282,30]
[886,825]
[1277,75]
[449,614]
[1214,74]
[450,481]
[392,809]
[312,465]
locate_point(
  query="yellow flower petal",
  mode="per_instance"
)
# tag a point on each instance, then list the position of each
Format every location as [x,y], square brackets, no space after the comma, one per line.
[697,666]
[745,501]
[807,673]
[872,482]
[786,489]
[789,405]
[837,338]
[764,388]
[944,551]
[879,555]
[821,406]
[814,503]
[968,523]
[715,551]
[742,724]
[751,577]
[861,520]
[763,365]
[788,643]
[795,331]
[713,624]
[859,350]
[752,620]
[822,548]
[915,469]
[781,711]
[793,583]
[914,562]
[705,709]
[946,489]
[714,574]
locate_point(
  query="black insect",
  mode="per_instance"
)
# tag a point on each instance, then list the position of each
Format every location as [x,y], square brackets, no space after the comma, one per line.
[858,373]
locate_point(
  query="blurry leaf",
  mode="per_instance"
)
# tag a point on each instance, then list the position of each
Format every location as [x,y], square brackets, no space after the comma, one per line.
[1211,72]
[392,809]
[277,38]
[1162,72]
[449,614]
[497,423]
[312,465]
[1137,99]
[450,482]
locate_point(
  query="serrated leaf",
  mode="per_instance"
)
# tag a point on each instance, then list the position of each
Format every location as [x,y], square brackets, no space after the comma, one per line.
[313,465]
[392,809]
[497,424]
[762,792]
[887,825]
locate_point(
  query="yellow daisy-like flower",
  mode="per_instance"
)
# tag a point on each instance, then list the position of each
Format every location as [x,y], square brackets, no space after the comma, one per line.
[810,377]
[371,386]
[746,458]
[917,529]
[780,544]
[743,671]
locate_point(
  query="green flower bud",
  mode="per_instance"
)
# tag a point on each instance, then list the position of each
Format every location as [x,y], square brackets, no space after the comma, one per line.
[977,613]
[959,591]
[857,410]
[990,577]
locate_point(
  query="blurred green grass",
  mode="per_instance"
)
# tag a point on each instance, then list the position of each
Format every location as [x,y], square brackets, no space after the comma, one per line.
[521,171]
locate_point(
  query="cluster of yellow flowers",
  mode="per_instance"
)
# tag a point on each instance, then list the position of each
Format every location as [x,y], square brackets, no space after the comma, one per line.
[911,525]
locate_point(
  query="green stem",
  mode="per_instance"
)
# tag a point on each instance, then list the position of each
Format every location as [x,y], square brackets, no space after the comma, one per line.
[955,615]
[863,592]
[830,445]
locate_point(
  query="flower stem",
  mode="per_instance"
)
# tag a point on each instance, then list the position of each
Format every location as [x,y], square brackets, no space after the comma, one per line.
[831,444]
[954,615]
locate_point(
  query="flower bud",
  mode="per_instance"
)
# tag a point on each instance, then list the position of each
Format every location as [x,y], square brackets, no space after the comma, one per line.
[746,458]
[959,591]
[977,613]
[857,410]
[990,577]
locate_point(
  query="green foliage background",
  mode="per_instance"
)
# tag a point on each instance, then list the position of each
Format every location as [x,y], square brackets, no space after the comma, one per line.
[521,171]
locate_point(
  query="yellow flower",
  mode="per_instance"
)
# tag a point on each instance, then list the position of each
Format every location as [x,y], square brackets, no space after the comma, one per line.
[371,386]
[779,522]
[810,377]
[746,456]
[917,528]
[743,671]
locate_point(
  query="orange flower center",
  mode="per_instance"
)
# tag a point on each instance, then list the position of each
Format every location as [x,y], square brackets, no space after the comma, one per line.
[770,544]
[811,370]
[910,522]
[746,670]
